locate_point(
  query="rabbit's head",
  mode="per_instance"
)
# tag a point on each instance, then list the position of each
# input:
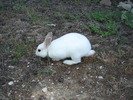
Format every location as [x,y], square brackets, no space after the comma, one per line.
[42,49]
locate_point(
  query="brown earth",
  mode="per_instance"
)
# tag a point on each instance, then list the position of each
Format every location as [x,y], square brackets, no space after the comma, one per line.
[108,75]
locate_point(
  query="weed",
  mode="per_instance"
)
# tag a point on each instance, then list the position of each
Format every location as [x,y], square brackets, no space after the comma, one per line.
[30,12]
[100,50]
[73,17]
[2,9]
[105,21]
[97,1]
[18,6]
[65,16]
[21,48]
[46,71]
[121,40]
[110,28]
[119,51]
[86,27]
[99,16]
[94,27]
[119,54]
[47,2]
[33,15]
[19,51]
[104,16]
[129,19]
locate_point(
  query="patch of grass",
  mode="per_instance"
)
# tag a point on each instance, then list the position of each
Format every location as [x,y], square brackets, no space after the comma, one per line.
[103,24]
[4,49]
[95,27]
[99,16]
[66,16]
[129,19]
[104,16]
[30,12]
[121,40]
[34,17]
[2,9]
[119,52]
[45,71]
[21,48]
[19,6]
[110,28]
[86,27]
[100,50]
[73,17]
[47,2]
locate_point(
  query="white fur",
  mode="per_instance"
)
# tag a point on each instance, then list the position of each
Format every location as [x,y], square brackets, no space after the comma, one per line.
[71,45]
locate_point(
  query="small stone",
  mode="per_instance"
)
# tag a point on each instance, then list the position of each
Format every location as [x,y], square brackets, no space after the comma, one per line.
[28,63]
[23,85]
[45,89]
[51,25]
[100,77]
[81,91]
[32,96]
[33,80]
[105,2]
[101,67]
[10,83]
[51,98]
[16,80]
[69,78]
[42,97]
[68,72]
[61,80]
[77,68]
[125,6]
[9,93]
[12,67]
[95,45]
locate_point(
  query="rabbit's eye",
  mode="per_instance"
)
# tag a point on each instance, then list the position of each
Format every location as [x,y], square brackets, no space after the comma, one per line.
[39,50]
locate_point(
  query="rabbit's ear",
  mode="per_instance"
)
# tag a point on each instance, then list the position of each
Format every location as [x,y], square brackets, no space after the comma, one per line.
[48,39]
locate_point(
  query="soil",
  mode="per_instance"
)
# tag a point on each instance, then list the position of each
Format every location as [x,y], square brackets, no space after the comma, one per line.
[108,75]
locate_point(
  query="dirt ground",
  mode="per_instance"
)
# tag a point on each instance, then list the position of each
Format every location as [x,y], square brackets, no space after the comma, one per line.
[108,75]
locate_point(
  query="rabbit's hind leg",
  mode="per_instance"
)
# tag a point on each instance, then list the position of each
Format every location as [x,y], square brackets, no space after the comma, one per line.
[75,60]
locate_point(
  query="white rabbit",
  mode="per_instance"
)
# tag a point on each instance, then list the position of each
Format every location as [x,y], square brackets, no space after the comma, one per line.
[71,45]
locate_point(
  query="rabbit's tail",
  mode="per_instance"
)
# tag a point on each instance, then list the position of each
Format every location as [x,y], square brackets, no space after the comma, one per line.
[91,52]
